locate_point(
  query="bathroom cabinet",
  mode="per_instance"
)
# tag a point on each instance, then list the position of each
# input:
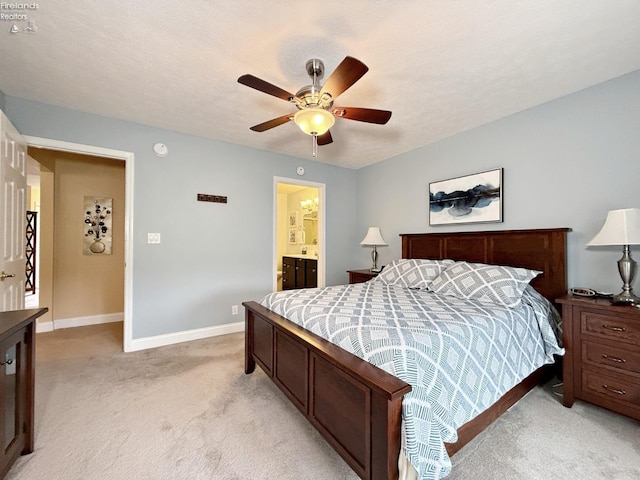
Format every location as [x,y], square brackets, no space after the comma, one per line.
[310,273]
[299,273]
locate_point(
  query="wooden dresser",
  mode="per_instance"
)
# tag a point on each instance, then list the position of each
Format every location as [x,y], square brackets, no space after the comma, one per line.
[17,363]
[602,361]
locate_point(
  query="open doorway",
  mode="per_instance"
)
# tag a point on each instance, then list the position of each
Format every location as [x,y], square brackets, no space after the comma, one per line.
[32,235]
[298,229]
[82,200]
[125,159]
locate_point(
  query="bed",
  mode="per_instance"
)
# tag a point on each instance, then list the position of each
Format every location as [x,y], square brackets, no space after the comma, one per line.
[357,406]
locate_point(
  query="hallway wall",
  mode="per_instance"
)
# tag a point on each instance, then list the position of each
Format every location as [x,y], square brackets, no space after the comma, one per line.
[79,285]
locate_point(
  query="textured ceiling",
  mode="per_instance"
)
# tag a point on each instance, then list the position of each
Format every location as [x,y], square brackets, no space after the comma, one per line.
[442,67]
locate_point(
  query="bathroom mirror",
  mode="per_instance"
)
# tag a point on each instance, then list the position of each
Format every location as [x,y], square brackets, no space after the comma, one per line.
[310,223]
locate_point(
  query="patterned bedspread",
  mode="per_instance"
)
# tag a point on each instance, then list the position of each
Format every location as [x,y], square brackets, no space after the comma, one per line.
[459,356]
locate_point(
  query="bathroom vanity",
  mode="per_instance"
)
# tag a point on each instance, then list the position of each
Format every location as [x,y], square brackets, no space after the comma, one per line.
[299,272]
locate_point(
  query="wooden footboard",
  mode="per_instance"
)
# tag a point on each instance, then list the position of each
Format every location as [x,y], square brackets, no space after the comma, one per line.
[355,405]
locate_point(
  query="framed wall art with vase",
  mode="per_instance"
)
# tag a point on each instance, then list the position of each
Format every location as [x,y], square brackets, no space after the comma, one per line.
[97,238]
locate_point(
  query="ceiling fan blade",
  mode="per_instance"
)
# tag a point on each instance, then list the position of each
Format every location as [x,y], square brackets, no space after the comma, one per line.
[346,74]
[266,87]
[368,115]
[325,138]
[274,122]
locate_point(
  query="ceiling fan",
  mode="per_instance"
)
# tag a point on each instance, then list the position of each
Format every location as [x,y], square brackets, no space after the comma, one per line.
[316,113]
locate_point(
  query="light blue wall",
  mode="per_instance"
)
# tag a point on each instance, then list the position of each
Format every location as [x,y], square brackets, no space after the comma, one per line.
[212,256]
[2,97]
[566,163]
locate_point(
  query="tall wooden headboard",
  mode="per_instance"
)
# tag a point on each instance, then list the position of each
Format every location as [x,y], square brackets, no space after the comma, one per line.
[541,249]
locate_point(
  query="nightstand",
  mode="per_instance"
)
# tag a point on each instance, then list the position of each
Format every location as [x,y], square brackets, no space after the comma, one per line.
[359,276]
[602,360]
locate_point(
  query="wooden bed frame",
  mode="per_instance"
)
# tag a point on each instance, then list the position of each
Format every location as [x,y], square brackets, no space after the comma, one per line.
[355,405]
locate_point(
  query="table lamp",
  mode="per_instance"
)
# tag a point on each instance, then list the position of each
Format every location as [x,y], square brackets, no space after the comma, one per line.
[373,238]
[622,227]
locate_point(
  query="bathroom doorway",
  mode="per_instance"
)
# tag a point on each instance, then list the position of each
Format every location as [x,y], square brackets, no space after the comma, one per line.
[299,225]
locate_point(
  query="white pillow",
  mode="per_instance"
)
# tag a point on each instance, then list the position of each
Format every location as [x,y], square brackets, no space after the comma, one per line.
[412,273]
[495,284]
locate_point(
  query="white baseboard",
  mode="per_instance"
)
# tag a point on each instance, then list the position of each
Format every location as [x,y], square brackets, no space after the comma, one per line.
[142,343]
[42,327]
[186,336]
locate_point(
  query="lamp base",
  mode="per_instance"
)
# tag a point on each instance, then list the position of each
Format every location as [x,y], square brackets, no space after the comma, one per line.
[374,259]
[627,268]
[625,298]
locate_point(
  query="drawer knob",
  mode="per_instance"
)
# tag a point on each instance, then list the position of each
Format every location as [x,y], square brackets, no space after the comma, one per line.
[8,362]
[614,390]
[614,359]
[615,329]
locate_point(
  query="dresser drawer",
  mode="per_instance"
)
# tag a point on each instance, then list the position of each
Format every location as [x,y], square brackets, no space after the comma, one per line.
[619,328]
[612,358]
[613,387]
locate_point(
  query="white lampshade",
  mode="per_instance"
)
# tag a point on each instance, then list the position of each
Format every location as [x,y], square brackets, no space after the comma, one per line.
[373,237]
[314,121]
[622,227]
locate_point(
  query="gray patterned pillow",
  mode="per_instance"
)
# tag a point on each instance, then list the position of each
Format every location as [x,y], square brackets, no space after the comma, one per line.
[412,273]
[486,283]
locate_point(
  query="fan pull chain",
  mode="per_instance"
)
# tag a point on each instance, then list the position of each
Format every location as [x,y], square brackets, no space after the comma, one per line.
[314,145]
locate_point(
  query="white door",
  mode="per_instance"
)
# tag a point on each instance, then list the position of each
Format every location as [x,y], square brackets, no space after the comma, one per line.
[13,207]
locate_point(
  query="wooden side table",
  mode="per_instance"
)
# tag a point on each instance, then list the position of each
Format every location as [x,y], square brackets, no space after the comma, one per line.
[602,360]
[360,276]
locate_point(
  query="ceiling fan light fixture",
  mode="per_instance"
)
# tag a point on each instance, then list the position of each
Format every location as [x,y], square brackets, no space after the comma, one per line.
[314,121]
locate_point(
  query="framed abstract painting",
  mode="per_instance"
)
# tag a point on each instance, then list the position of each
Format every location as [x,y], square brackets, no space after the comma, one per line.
[475,198]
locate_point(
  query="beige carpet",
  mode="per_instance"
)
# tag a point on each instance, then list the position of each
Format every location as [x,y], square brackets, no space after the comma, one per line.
[189,412]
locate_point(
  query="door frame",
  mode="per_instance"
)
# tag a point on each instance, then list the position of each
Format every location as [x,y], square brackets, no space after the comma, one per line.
[321,226]
[127,158]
